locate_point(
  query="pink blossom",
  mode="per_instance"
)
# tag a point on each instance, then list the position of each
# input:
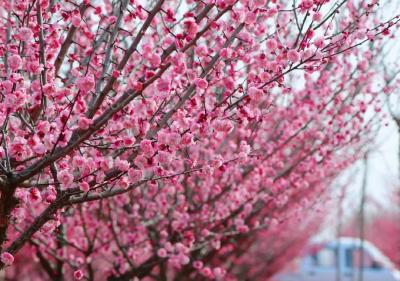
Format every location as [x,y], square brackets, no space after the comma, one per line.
[201,83]
[14,62]
[21,195]
[122,165]
[251,18]
[319,42]
[134,84]
[154,60]
[184,259]
[216,244]
[255,93]
[306,4]
[223,126]
[205,232]
[224,3]
[187,139]
[172,139]
[7,258]
[272,12]
[34,195]
[163,85]
[162,253]
[207,272]
[19,214]
[34,67]
[85,84]
[259,3]
[76,20]
[78,275]
[198,264]
[135,175]
[111,19]
[50,198]
[201,50]
[25,34]
[123,183]
[49,89]
[49,226]
[147,147]
[243,228]
[98,10]
[116,73]
[170,16]
[360,34]
[317,16]
[17,146]
[15,100]
[7,85]
[226,53]
[84,186]
[191,26]
[65,177]
[84,123]
[164,157]
[229,83]
[141,162]
[271,44]
[293,55]
[219,273]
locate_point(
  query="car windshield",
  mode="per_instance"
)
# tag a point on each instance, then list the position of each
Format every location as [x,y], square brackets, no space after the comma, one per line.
[378,256]
[372,256]
[355,257]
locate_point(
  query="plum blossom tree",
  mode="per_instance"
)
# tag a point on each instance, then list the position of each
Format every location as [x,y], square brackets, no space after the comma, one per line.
[171,140]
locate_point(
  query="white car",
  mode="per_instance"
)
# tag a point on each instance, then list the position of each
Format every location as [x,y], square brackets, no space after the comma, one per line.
[340,260]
